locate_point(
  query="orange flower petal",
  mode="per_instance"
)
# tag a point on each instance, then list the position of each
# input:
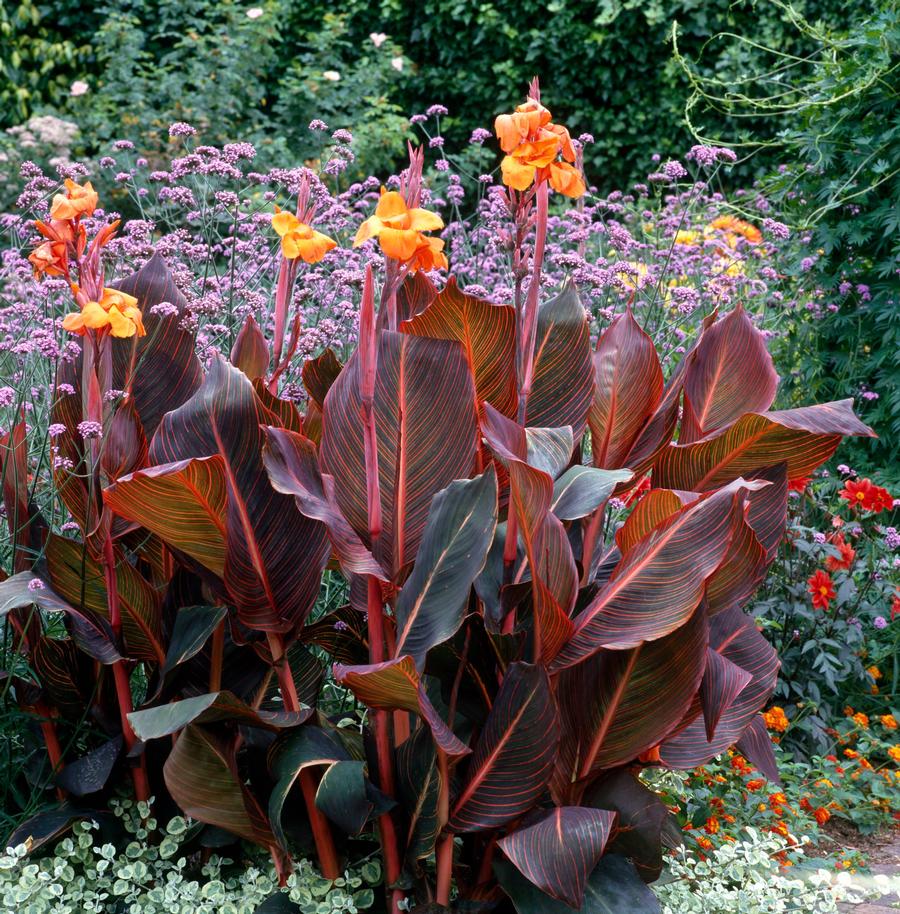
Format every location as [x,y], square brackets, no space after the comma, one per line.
[391,205]
[369,229]
[566,179]
[515,174]
[422,220]
[284,222]
[400,244]
[94,315]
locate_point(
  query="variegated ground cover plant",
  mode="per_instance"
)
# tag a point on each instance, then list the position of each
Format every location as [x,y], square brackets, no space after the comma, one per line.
[518,662]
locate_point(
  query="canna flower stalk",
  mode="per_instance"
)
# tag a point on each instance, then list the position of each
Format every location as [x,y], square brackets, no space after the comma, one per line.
[103,313]
[399,224]
[299,241]
[368,364]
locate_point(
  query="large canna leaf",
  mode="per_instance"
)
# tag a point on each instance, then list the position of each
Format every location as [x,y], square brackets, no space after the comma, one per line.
[201,774]
[563,381]
[722,682]
[395,685]
[90,631]
[581,490]
[292,752]
[487,333]
[14,492]
[318,376]
[659,582]
[653,509]
[274,555]
[641,819]
[559,852]
[418,789]
[735,637]
[124,442]
[619,704]
[184,503]
[553,573]
[801,438]
[426,431]
[215,707]
[460,528]
[193,627]
[78,578]
[163,369]
[628,387]
[614,887]
[756,744]
[729,373]
[514,756]
[250,352]
[293,468]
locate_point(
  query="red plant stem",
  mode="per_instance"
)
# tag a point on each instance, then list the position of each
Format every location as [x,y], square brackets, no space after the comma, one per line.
[589,543]
[324,841]
[120,672]
[444,850]
[487,861]
[217,650]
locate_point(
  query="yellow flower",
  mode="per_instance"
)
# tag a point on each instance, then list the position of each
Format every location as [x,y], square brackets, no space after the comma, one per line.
[685,237]
[399,229]
[79,200]
[300,240]
[732,226]
[115,310]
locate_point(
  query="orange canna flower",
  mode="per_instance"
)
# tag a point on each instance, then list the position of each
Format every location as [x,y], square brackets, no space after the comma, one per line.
[429,256]
[399,230]
[116,311]
[300,240]
[49,258]
[537,150]
[79,200]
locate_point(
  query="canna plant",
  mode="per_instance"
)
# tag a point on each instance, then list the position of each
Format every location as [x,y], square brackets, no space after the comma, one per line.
[517,658]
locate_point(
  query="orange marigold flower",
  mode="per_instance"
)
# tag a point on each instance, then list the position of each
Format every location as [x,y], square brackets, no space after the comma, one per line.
[821,589]
[299,239]
[865,763]
[755,784]
[851,753]
[874,672]
[705,843]
[861,720]
[116,311]
[712,826]
[399,229]
[822,815]
[78,200]
[888,721]
[776,719]
[777,799]
[844,561]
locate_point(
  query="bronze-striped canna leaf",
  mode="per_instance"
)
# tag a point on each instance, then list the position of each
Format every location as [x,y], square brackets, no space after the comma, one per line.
[729,373]
[124,443]
[641,818]
[458,534]
[202,777]
[418,789]
[554,576]
[756,744]
[513,759]
[619,704]
[65,674]
[426,431]
[581,490]
[657,584]
[396,685]
[487,333]
[414,296]
[293,467]
[212,708]
[559,852]
[735,637]
[274,555]
[801,438]
[722,682]
[78,578]
[90,631]
[653,509]
[318,376]
[250,352]
[628,387]
[293,751]
[160,369]
[563,381]
[614,887]
[184,503]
